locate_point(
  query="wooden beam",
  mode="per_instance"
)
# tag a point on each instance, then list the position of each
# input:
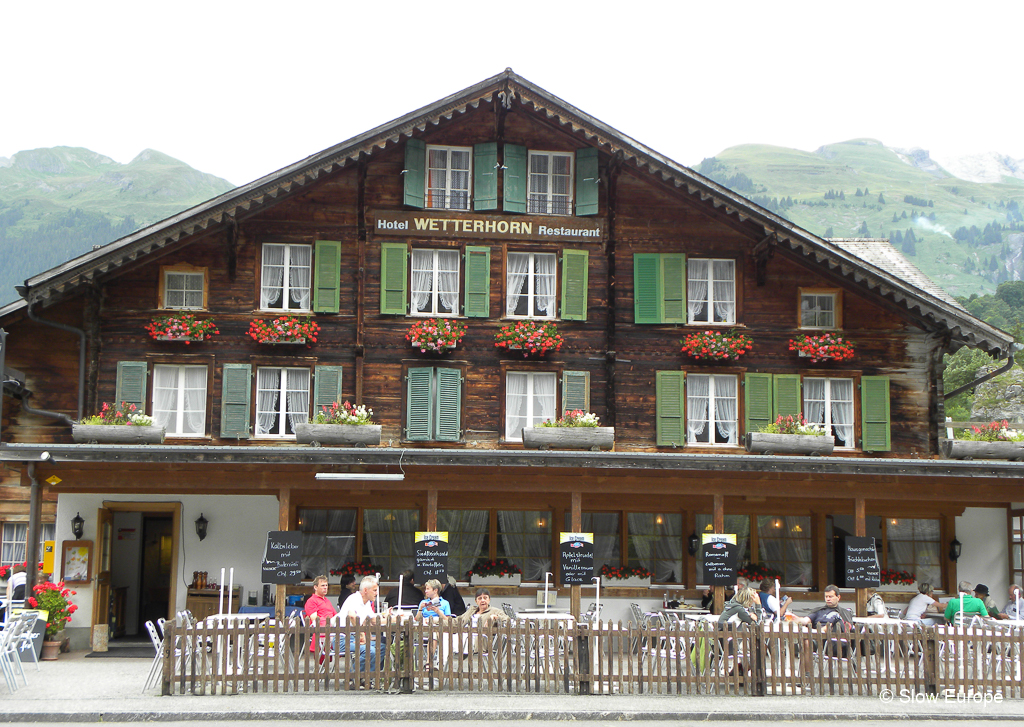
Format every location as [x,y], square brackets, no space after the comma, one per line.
[431,510]
[576,521]
[860,530]
[718,522]
[284,498]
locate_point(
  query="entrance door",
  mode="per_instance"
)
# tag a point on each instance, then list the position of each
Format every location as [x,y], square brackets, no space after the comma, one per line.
[104,542]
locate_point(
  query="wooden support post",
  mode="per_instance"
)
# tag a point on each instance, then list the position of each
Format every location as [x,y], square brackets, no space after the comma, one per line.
[431,510]
[576,520]
[718,520]
[860,530]
[284,506]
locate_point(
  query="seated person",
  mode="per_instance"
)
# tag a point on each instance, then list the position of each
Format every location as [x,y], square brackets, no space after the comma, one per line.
[483,615]
[741,609]
[922,604]
[1015,606]
[830,614]
[357,609]
[970,605]
[349,585]
[318,609]
[875,605]
[773,610]
[982,594]
[411,595]
[450,593]
[433,607]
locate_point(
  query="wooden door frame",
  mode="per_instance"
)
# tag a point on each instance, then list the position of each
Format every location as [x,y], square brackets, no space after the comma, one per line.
[174,508]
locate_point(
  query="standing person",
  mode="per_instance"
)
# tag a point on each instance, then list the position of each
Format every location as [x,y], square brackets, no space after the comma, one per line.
[774,611]
[971,606]
[318,609]
[357,609]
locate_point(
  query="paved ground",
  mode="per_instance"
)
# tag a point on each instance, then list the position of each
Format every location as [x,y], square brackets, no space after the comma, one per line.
[75,689]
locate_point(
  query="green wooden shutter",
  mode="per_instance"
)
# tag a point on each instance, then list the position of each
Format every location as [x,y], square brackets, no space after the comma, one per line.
[393,276]
[757,401]
[449,405]
[786,394]
[328,277]
[326,387]
[417,410]
[415,173]
[671,403]
[646,287]
[478,282]
[673,288]
[515,178]
[586,181]
[574,284]
[874,411]
[485,176]
[576,391]
[131,383]
[234,401]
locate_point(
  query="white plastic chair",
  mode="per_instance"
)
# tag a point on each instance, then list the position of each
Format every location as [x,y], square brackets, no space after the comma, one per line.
[154,668]
[10,637]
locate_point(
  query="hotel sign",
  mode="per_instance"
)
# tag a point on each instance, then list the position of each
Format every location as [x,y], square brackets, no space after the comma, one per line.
[455,225]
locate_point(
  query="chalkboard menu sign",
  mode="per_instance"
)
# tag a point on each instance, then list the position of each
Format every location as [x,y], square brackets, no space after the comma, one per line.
[576,566]
[282,561]
[861,567]
[718,557]
[431,556]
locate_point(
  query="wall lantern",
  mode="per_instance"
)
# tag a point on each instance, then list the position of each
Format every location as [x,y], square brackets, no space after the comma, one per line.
[202,525]
[77,526]
[692,543]
[955,546]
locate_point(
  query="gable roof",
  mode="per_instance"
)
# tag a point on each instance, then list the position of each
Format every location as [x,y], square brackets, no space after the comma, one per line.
[869,266]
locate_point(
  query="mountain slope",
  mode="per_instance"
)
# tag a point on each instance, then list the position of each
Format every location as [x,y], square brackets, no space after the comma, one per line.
[58,203]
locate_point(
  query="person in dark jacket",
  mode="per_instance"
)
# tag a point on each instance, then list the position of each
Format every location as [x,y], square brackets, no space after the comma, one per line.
[411,595]
[745,606]
[450,593]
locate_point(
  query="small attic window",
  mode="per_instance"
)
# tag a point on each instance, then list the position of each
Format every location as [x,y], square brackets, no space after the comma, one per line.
[183,287]
[821,308]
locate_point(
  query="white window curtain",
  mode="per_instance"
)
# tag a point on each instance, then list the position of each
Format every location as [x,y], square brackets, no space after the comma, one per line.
[516,404]
[268,394]
[544,275]
[467,530]
[194,420]
[543,397]
[725,407]
[658,546]
[913,545]
[298,397]
[165,397]
[448,281]
[389,538]
[787,548]
[814,401]
[605,527]
[842,410]
[518,267]
[328,540]
[272,275]
[300,264]
[696,287]
[422,280]
[15,535]
[533,543]
[697,390]
[724,291]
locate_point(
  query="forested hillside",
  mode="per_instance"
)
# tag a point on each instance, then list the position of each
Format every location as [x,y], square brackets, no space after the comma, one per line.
[56,204]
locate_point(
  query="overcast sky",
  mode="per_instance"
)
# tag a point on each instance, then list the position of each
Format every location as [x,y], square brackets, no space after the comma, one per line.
[240,89]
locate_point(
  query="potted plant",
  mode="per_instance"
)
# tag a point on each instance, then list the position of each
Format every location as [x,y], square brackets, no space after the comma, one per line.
[624,576]
[121,424]
[339,424]
[987,441]
[533,338]
[789,435]
[897,580]
[498,572]
[757,572]
[355,569]
[575,430]
[716,345]
[286,329]
[185,327]
[54,599]
[823,347]
[435,335]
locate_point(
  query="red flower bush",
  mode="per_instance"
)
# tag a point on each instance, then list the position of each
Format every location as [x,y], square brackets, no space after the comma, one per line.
[181,327]
[531,337]
[499,567]
[286,329]
[896,577]
[620,572]
[53,598]
[826,347]
[716,345]
[436,335]
[355,569]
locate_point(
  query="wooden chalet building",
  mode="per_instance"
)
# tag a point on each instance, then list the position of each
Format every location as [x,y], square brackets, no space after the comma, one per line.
[498,204]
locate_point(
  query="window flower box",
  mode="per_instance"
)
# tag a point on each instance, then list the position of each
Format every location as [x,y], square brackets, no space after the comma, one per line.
[617,576]
[114,434]
[824,347]
[630,582]
[436,335]
[359,435]
[513,579]
[975,449]
[498,572]
[716,345]
[765,443]
[185,328]
[533,338]
[593,438]
[284,330]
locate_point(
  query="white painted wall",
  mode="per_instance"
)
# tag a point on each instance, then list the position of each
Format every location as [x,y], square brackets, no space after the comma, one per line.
[984,557]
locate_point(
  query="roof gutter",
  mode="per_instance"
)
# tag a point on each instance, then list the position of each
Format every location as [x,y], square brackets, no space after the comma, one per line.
[81,355]
[986,377]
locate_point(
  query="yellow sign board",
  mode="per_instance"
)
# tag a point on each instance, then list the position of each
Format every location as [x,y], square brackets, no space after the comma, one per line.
[48,556]
[54,480]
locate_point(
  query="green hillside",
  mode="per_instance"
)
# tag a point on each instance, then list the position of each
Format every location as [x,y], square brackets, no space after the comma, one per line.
[966,236]
[58,203]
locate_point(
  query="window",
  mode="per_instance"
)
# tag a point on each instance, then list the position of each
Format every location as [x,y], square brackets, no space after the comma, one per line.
[829,402]
[531,285]
[389,537]
[14,536]
[183,287]
[282,401]
[819,309]
[607,536]
[435,282]
[711,409]
[711,291]
[179,399]
[656,543]
[914,545]
[784,543]
[550,183]
[529,400]
[468,532]
[285,277]
[328,540]
[1016,540]
[449,170]
[524,538]
[433,404]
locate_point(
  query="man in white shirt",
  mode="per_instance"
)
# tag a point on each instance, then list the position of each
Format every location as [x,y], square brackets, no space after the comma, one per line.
[357,609]
[1016,605]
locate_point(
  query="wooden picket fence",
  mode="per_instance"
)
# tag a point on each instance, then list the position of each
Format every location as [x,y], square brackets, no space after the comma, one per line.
[599,658]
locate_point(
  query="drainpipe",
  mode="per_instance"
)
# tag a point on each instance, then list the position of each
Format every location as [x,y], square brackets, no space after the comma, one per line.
[986,377]
[32,541]
[81,349]
[28,409]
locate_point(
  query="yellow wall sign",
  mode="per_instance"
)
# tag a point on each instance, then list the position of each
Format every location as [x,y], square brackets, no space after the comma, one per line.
[48,546]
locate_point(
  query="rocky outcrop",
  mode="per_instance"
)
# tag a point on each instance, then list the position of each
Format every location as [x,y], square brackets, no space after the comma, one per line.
[1001,397]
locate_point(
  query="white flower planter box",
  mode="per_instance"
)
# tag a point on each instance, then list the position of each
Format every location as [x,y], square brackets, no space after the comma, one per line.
[631,582]
[360,435]
[183,339]
[117,434]
[593,438]
[970,449]
[897,588]
[512,580]
[764,443]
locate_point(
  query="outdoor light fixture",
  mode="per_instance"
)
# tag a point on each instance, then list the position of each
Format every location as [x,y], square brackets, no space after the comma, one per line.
[202,525]
[955,546]
[357,476]
[692,543]
[77,526]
